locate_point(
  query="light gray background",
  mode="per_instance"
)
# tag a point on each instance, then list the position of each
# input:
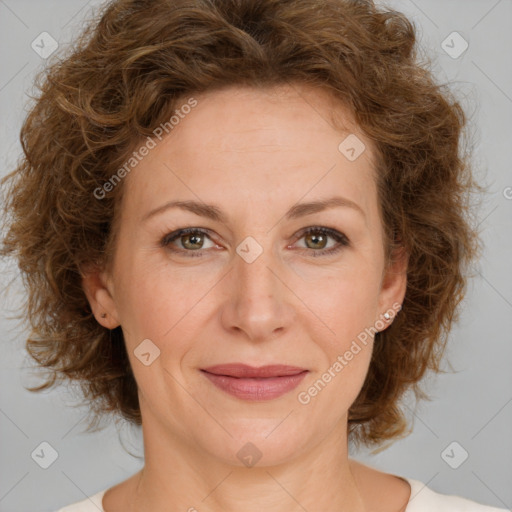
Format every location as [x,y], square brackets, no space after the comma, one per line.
[472,406]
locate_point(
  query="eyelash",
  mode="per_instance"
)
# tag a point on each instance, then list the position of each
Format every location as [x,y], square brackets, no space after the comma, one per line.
[336,235]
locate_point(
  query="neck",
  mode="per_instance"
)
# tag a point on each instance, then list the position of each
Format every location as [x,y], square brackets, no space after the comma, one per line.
[179,476]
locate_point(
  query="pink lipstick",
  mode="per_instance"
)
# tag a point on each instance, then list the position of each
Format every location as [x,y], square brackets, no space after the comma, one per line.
[255,384]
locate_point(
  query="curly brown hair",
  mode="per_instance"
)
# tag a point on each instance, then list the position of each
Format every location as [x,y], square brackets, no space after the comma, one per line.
[132,65]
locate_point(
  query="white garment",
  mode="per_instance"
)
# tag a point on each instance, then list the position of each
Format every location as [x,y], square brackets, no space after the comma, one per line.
[422,499]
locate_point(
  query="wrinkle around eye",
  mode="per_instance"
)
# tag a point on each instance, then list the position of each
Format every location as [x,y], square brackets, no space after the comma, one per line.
[170,241]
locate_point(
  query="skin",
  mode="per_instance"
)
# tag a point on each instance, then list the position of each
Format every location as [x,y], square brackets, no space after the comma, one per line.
[254,153]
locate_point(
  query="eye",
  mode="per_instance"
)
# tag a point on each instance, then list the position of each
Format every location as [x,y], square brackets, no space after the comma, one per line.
[316,238]
[192,241]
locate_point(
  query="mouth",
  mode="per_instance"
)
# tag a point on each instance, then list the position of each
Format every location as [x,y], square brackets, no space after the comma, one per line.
[255,384]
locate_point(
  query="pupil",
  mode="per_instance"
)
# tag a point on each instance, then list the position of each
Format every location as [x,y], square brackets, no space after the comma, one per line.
[195,239]
[316,238]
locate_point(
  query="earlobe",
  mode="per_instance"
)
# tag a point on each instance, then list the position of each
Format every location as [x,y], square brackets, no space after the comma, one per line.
[98,289]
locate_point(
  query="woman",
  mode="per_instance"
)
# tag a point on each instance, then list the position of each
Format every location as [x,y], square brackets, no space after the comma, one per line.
[243,227]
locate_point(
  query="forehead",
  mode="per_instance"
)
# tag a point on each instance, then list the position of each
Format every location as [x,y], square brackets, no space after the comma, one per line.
[267,145]
[263,119]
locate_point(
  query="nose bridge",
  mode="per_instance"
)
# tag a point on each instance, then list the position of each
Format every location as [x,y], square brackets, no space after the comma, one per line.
[252,269]
[257,302]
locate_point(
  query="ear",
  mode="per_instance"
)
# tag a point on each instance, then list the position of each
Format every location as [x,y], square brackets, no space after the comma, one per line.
[394,286]
[99,289]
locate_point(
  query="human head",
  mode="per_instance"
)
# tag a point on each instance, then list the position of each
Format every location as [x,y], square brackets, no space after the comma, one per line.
[364,56]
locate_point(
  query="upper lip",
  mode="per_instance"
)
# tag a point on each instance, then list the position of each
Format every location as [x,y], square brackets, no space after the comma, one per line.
[240,370]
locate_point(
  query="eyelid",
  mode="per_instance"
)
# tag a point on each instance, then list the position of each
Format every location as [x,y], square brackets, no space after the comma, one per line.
[176,234]
[341,239]
[332,232]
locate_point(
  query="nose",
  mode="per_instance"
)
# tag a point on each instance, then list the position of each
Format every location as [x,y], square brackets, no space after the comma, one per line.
[258,302]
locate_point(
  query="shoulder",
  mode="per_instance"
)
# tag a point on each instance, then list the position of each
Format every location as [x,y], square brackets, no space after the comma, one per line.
[92,504]
[424,499]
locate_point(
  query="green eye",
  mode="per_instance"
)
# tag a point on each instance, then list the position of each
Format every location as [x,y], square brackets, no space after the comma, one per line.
[192,241]
[317,239]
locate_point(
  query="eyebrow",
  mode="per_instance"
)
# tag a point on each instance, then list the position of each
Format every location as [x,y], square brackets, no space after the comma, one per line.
[214,213]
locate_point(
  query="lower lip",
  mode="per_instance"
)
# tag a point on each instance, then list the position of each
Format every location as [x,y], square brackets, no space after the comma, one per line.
[256,389]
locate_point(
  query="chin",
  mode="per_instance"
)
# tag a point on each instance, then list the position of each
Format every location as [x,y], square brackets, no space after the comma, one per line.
[258,442]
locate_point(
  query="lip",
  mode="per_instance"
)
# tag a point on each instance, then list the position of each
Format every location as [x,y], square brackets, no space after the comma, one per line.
[241,370]
[255,384]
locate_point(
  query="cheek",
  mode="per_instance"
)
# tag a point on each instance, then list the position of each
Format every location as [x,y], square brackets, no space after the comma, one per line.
[344,300]
[143,299]
[161,303]
[333,389]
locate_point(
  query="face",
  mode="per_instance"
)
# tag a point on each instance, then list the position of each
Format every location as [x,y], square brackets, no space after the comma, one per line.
[258,278]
